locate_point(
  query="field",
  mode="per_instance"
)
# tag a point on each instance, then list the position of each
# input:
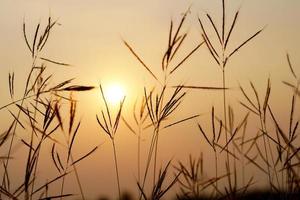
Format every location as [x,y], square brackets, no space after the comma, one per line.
[246,144]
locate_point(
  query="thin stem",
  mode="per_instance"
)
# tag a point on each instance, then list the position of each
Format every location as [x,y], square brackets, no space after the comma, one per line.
[116,166]
[38,154]
[77,178]
[225,120]
[139,157]
[24,98]
[9,151]
[235,171]
[155,159]
[35,170]
[139,150]
[67,139]
[289,186]
[265,148]
[63,184]
[273,160]
[216,171]
[149,157]
[243,161]
[16,124]
[27,196]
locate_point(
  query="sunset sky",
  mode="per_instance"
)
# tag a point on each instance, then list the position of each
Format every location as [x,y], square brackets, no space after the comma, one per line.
[90,39]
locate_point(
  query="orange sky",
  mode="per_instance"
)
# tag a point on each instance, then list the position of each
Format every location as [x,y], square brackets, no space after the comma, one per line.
[90,38]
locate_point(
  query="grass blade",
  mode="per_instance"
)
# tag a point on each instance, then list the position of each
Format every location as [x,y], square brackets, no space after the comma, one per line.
[183,60]
[54,62]
[290,65]
[245,42]
[140,60]
[86,155]
[231,29]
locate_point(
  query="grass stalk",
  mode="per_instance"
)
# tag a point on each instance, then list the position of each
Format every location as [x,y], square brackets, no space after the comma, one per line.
[148,163]
[16,124]
[139,154]
[226,129]
[216,173]
[266,154]
[155,158]
[36,165]
[116,167]
[77,178]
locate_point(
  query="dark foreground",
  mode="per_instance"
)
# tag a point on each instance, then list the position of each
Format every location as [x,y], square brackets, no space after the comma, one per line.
[256,195]
[252,196]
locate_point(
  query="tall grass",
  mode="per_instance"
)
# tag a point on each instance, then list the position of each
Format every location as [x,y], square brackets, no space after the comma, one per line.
[159,105]
[222,55]
[110,127]
[40,113]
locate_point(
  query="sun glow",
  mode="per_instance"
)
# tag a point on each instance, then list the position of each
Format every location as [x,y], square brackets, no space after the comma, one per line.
[114,94]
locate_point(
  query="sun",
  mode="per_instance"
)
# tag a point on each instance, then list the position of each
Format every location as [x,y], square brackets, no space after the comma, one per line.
[114,94]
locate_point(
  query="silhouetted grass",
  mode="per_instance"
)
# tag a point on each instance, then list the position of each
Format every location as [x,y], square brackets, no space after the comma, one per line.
[271,149]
